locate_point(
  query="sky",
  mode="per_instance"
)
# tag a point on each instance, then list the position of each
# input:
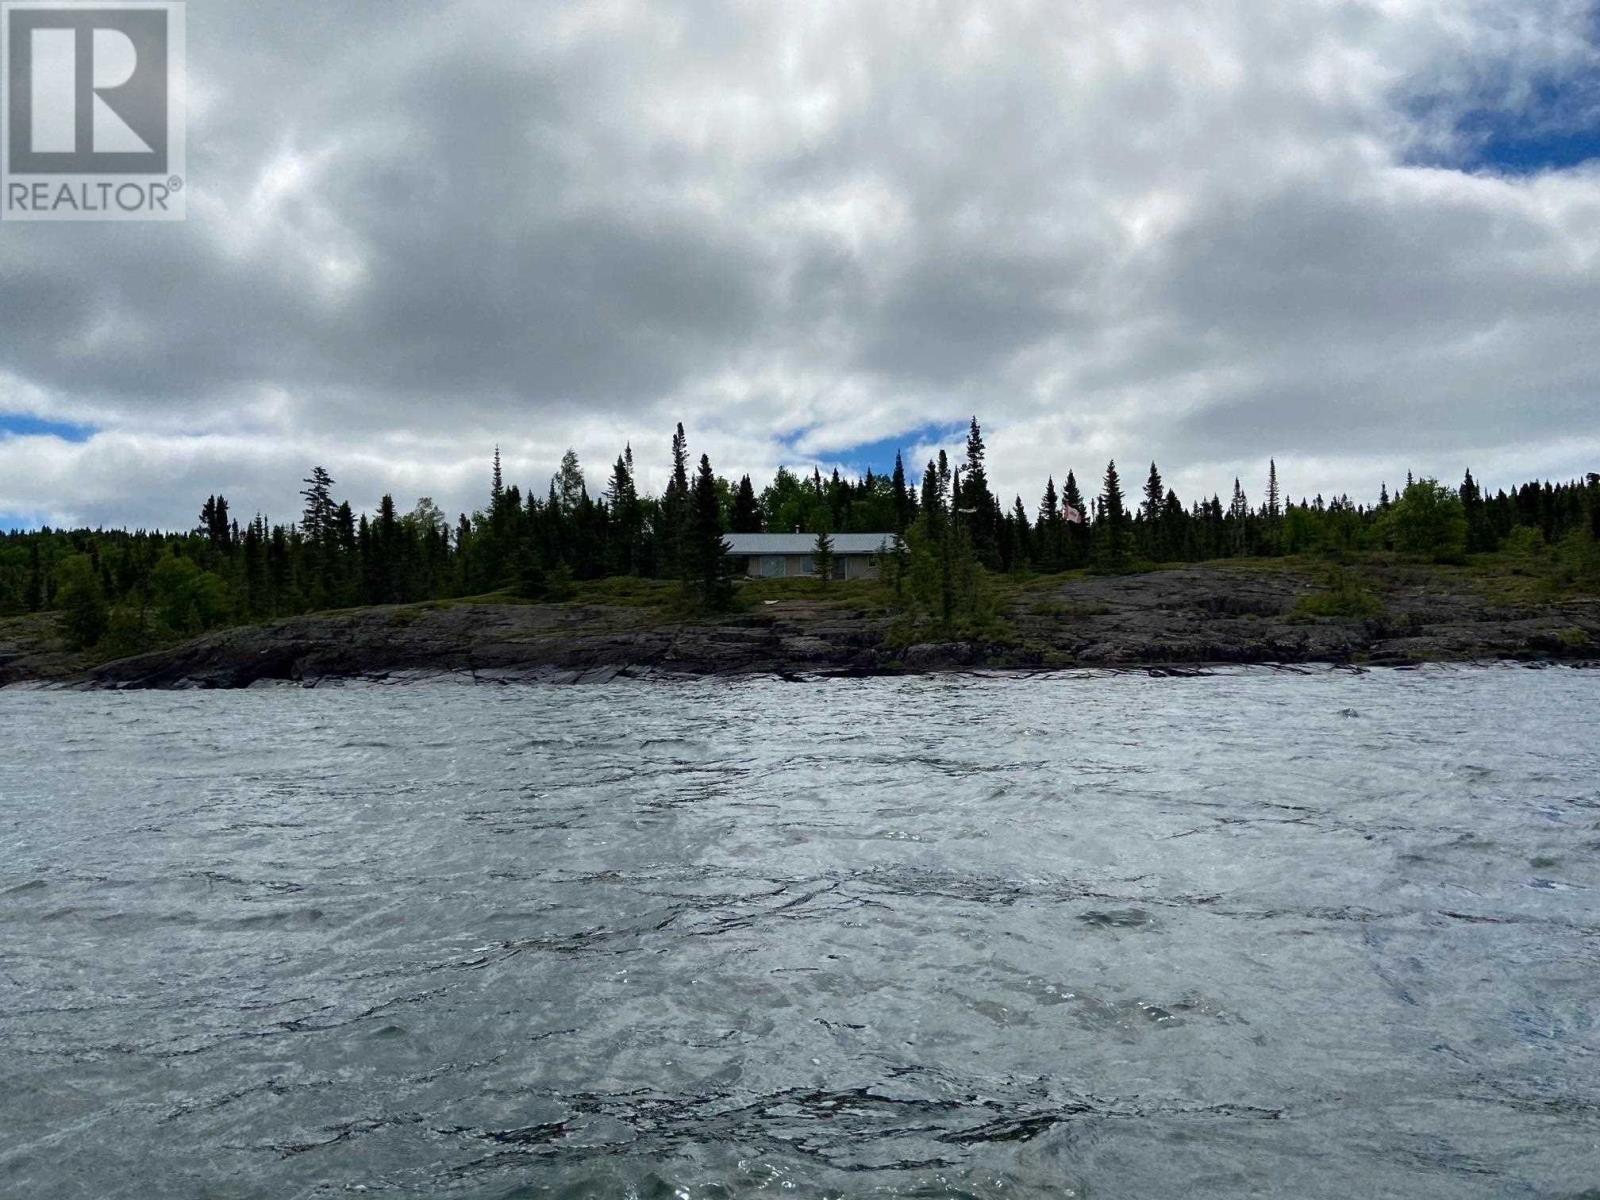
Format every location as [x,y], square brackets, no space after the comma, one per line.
[1360,238]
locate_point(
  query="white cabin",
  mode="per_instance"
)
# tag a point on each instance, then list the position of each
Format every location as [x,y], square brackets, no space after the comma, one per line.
[793,555]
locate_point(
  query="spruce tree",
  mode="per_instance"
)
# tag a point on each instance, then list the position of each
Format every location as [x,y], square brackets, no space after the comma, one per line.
[1150,510]
[676,510]
[932,496]
[1049,543]
[388,547]
[1020,538]
[904,502]
[81,599]
[1155,494]
[258,600]
[746,509]
[1274,510]
[1076,533]
[531,582]
[975,495]
[822,559]
[371,588]
[214,523]
[1239,520]
[710,576]
[1480,536]
[319,525]
[33,591]
[1111,530]
[317,522]
[1174,525]
[626,516]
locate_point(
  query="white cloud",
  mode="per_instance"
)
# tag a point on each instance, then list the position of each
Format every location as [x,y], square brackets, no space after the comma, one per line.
[1202,236]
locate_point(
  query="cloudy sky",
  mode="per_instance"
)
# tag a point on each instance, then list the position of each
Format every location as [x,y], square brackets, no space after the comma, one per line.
[1362,237]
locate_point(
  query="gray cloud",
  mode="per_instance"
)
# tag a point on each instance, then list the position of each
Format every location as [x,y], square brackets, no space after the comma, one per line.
[1108,229]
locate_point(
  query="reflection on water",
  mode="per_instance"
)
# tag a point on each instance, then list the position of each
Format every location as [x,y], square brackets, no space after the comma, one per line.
[1318,934]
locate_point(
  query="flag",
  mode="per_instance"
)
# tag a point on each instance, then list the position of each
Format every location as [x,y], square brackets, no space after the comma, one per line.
[1072,516]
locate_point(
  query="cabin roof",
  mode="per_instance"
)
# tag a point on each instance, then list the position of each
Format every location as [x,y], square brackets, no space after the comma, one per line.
[806,543]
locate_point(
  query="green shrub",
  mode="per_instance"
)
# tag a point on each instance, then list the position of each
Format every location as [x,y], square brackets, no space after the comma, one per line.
[1578,561]
[1069,610]
[1345,597]
[1524,542]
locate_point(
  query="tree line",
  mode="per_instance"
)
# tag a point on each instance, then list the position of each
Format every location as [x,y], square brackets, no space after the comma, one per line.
[129,589]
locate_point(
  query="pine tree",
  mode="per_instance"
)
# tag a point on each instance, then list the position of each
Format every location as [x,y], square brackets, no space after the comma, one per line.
[319,525]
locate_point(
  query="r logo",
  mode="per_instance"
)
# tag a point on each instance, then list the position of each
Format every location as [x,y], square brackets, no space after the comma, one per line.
[88,91]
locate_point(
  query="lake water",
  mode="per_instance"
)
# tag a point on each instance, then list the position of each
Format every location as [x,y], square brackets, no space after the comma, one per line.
[1255,934]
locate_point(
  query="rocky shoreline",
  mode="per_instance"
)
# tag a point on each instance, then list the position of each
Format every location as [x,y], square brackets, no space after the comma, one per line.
[1176,619]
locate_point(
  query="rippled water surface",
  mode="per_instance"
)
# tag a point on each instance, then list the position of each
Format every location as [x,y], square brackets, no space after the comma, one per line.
[1111,936]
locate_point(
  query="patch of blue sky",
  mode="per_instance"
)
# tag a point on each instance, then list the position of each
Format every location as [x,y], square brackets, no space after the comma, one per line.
[27,425]
[878,456]
[1555,126]
[12,522]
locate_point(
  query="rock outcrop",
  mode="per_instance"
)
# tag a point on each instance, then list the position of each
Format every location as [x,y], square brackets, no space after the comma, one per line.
[1174,620]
